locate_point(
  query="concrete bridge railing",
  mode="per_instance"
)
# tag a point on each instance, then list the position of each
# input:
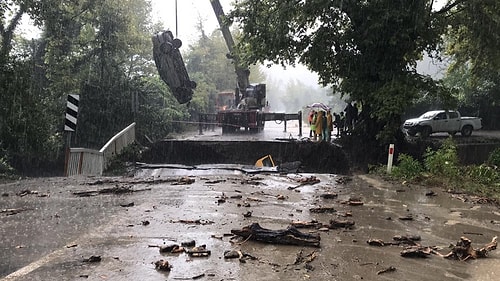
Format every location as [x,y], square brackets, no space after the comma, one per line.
[83,161]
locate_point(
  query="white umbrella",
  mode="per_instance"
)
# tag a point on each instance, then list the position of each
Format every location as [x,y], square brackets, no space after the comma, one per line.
[318,105]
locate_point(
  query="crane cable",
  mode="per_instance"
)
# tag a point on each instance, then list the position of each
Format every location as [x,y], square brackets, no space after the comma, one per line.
[176,30]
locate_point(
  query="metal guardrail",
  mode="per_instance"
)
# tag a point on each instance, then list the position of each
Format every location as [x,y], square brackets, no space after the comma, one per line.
[207,121]
[83,161]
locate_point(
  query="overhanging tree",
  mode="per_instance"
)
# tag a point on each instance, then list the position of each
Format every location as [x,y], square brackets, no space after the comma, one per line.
[366,49]
[472,42]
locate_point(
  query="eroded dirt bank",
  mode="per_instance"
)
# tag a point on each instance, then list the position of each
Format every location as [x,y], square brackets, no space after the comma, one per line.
[62,223]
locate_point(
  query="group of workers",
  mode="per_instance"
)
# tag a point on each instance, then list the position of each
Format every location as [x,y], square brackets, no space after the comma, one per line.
[322,122]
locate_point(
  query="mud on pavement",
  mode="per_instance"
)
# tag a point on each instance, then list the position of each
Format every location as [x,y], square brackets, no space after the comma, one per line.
[114,228]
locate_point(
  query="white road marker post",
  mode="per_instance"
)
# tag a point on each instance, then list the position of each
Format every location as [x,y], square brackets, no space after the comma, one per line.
[390,158]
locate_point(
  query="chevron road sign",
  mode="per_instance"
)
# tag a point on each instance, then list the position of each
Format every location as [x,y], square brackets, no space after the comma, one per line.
[71,113]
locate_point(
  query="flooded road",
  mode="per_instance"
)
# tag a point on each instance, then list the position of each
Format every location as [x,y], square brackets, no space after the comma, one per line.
[51,232]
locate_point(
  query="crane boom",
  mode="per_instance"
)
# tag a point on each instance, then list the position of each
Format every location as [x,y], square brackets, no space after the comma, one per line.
[242,72]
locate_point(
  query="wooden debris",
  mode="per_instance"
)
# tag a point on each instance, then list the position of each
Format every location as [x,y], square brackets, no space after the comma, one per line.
[199,251]
[214,181]
[376,242]
[163,265]
[408,217]
[353,202]
[188,243]
[463,249]
[343,180]
[416,252]
[305,181]
[407,239]
[237,254]
[125,205]
[11,212]
[334,223]
[323,210]
[400,240]
[93,259]
[138,181]
[389,269]
[329,195]
[113,190]
[305,259]
[198,221]
[288,236]
[183,181]
[172,248]
[26,192]
[307,224]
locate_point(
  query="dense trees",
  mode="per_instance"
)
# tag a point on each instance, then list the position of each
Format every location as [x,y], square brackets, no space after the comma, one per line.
[472,43]
[101,50]
[367,49]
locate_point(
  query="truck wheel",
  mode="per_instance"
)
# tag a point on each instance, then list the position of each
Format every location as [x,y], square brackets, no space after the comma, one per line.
[466,131]
[426,132]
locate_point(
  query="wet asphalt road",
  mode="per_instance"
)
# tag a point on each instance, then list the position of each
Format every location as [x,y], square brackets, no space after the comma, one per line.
[55,231]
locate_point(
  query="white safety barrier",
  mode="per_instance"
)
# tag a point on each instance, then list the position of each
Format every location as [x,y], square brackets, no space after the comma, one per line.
[83,161]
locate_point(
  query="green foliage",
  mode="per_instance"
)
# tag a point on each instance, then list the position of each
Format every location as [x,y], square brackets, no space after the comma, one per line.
[444,161]
[407,168]
[494,158]
[472,44]
[156,111]
[441,168]
[483,174]
[125,161]
[364,49]
[6,169]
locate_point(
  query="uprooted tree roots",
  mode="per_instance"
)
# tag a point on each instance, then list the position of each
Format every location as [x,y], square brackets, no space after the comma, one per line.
[289,236]
[462,250]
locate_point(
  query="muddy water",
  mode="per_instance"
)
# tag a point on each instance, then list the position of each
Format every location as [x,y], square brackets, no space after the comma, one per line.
[274,201]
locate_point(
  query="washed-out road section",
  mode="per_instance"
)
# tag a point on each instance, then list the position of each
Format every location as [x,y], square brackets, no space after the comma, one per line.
[49,230]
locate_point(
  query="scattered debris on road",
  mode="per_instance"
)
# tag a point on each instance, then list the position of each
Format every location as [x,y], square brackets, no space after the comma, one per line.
[237,254]
[162,265]
[118,189]
[198,221]
[353,202]
[11,212]
[26,192]
[389,269]
[288,236]
[311,180]
[463,249]
[125,205]
[93,259]
[199,251]
[323,210]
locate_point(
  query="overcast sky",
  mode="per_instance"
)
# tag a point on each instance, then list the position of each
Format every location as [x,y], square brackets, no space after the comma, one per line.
[188,13]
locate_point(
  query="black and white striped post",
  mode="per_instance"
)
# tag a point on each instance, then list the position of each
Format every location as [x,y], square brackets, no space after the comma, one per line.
[70,124]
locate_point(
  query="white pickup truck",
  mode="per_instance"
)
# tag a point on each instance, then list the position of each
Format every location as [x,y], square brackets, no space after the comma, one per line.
[442,121]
